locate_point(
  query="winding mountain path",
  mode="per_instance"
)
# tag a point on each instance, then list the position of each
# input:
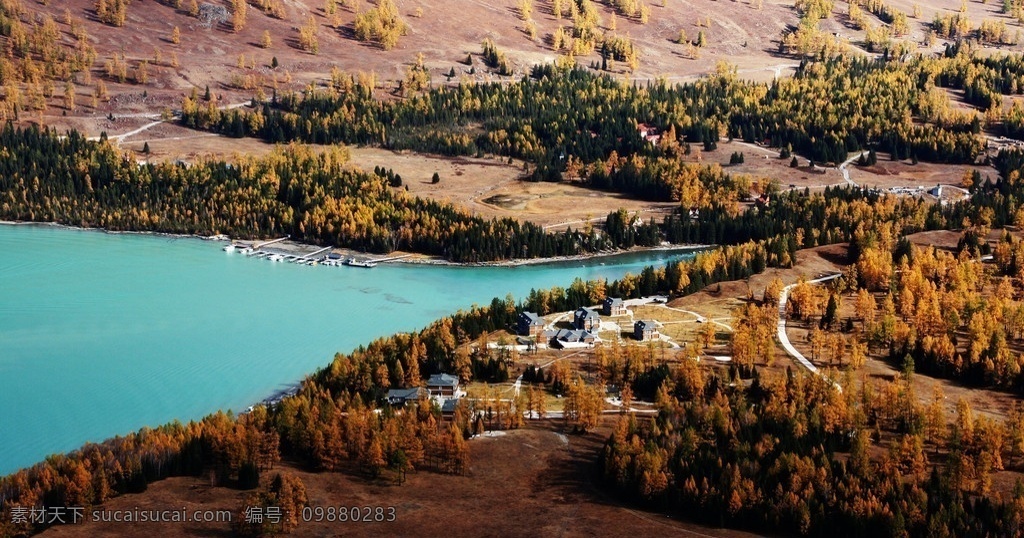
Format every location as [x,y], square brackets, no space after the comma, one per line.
[120,137]
[843,168]
[781,331]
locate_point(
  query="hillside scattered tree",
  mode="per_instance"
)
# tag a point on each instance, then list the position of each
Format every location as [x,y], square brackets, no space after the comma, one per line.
[308,40]
[381,24]
[69,96]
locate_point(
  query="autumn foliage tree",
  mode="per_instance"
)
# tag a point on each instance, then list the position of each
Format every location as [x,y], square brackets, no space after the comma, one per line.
[308,36]
[239,11]
[583,405]
[381,24]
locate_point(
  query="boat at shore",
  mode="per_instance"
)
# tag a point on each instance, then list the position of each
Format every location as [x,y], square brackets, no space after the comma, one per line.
[239,247]
[352,262]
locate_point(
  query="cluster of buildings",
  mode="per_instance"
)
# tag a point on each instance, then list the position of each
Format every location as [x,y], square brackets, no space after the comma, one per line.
[586,325]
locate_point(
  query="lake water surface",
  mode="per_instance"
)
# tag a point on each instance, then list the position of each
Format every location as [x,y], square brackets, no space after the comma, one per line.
[101,334]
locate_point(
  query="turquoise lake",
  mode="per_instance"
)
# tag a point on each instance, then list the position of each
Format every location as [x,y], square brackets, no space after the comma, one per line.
[101,334]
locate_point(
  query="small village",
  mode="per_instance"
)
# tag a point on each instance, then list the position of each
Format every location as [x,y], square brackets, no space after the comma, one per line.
[561,344]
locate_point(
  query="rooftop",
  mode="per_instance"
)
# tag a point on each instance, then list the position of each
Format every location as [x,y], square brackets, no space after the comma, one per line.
[533,318]
[448,406]
[586,313]
[571,335]
[643,324]
[443,380]
[405,394]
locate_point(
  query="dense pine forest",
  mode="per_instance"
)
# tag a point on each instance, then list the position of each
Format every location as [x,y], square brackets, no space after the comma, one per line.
[569,122]
[794,453]
[318,197]
[313,196]
[942,313]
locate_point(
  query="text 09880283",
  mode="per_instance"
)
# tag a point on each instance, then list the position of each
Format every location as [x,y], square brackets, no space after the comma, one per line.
[349,514]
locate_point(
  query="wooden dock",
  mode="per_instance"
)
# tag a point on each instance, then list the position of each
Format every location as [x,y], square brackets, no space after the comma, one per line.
[392,259]
[311,254]
[257,246]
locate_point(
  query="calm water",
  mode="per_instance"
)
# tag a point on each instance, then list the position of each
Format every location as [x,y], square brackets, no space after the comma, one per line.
[102,334]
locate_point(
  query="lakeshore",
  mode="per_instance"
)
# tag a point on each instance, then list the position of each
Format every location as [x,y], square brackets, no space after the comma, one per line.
[295,248]
[588,257]
[298,248]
